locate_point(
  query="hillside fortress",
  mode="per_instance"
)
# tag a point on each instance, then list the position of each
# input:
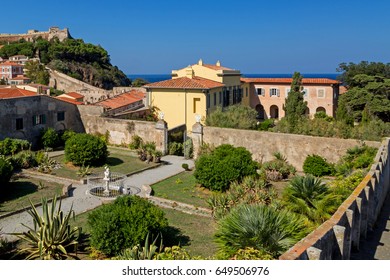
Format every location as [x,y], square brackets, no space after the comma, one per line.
[31,35]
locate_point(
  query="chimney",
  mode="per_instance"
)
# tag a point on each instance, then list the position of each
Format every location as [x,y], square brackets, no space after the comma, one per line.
[200,62]
[189,72]
[218,63]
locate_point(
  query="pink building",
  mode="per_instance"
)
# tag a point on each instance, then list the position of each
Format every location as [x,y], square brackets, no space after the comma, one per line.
[268,95]
[10,70]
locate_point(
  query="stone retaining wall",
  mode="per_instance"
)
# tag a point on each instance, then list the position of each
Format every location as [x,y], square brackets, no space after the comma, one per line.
[335,238]
[263,145]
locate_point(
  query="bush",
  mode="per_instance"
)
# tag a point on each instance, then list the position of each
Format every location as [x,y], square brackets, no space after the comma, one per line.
[175,148]
[185,166]
[5,170]
[261,227]
[266,125]
[124,224]
[10,146]
[222,166]
[136,142]
[188,149]
[67,134]
[317,166]
[278,168]
[86,149]
[24,159]
[50,138]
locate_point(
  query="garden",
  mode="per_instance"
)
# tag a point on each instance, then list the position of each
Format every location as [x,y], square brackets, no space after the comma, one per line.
[251,218]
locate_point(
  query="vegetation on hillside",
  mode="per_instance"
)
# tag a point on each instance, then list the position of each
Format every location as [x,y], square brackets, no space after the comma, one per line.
[84,61]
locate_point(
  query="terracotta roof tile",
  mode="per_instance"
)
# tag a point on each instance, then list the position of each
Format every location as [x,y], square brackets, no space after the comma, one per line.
[75,95]
[186,83]
[15,92]
[10,64]
[69,100]
[289,80]
[122,99]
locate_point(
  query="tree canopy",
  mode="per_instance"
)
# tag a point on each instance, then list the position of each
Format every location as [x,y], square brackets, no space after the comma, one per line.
[368,95]
[84,61]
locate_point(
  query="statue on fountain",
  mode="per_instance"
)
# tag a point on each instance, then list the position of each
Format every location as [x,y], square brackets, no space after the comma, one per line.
[107,175]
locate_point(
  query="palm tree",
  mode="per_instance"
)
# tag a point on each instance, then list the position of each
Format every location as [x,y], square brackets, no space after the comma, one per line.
[51,236]
[260,227]
[309,196]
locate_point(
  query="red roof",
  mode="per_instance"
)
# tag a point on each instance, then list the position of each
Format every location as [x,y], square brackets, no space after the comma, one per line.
[10,64]
[20,78]
[69,100]
[289,80]
[122,99]
[186,83]
[75,95]
[15,92]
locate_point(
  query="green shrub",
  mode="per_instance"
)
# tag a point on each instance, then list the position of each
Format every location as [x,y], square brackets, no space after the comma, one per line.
[10,146]
[136,142]
[188,149]
[24,159]
[124,224]
[266,125]
[222,166]
[86,149]
[261,227]
[50,138]
[185,166]
[5,170]
[317,166]
[278,168]
[360,156]
[175,148]
[67,134]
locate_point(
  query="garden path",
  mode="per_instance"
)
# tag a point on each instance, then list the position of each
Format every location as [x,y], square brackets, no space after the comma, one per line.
[82,201]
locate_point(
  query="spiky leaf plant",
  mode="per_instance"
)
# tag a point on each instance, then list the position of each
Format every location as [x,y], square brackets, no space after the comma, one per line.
[260,227]
[51,236]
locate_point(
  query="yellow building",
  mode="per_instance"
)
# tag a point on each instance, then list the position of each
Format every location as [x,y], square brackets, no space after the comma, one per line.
[194,91]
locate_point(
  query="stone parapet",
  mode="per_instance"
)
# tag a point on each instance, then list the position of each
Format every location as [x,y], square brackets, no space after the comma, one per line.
[335,238]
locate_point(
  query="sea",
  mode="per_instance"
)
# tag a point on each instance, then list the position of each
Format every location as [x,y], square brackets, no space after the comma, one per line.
[152,78]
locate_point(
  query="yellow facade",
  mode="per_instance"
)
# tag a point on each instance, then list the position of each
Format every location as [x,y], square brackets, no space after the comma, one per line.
[195,90]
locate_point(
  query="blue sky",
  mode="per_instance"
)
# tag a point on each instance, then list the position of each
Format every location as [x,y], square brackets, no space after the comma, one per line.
[274,36]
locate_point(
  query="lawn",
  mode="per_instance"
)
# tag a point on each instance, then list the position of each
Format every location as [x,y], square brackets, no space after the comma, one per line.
[194,233]
[118,161]
[182,188]
[19,190]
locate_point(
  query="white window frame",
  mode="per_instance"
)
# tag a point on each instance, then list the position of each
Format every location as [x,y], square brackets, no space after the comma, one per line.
[274,92]
[262,91]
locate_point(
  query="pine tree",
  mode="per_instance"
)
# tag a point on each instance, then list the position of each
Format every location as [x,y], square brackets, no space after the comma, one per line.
[295,106]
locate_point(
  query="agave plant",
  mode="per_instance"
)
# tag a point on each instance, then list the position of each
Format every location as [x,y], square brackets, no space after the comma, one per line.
[147,252]
[51,236]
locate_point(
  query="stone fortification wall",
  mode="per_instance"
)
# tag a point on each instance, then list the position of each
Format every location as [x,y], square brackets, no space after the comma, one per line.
[262,145]
[335,238]
[66,83]
[31,35]
[121,131]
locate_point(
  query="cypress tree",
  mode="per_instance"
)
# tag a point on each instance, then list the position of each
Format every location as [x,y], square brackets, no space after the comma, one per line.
[295,106]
